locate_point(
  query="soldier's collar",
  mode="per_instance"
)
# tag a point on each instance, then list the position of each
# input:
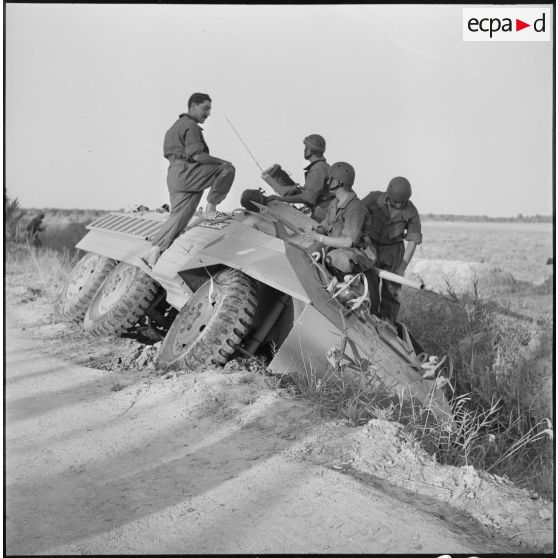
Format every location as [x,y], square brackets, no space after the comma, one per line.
[349,199]
[194,121]
[313,162]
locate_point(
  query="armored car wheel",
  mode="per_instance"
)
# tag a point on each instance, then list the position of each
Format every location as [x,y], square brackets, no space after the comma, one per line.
[212,322]
[121,301]
[81,285]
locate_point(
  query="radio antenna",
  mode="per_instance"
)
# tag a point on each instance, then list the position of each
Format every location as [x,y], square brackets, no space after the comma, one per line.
[247,149]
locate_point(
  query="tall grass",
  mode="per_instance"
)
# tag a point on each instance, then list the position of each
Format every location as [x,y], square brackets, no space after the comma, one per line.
[40,270]
[13,230]
[501,401]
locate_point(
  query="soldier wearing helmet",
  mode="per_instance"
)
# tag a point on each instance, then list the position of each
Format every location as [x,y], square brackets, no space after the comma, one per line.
[394,221]
[315,193]
[341,232]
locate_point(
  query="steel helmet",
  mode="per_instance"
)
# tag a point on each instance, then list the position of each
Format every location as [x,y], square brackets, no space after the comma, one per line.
[399,190]
[315,142]
[343,172]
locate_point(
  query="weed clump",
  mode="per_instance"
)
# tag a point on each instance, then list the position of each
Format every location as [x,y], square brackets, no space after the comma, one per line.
[502,389]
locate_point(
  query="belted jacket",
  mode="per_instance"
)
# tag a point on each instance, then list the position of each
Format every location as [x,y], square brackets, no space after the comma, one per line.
[184,139]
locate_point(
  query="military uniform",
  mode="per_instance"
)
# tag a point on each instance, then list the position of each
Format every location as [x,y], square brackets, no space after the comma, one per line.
[387,233]
[187,179]
[315,192]
[349,220]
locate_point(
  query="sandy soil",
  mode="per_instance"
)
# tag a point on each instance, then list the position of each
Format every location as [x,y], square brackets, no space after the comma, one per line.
[105,456]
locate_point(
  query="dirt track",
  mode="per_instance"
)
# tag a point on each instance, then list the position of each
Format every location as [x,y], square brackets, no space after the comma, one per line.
[146,469]
[125,461]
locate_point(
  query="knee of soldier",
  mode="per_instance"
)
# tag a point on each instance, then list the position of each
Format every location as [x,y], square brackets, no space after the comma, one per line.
[341,260]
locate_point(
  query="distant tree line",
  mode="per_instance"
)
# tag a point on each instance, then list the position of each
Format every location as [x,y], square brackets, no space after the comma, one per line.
[485,218]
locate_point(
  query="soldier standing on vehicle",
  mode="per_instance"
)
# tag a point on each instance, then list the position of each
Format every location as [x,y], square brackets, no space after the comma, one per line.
[191,170]
[315,192]
[34,227]
[393,220]
[341,232]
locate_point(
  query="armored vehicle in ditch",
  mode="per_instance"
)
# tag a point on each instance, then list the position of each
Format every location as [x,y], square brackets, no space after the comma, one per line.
[242,284]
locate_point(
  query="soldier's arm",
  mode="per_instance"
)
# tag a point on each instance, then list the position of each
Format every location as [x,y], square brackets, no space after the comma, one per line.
[412,239]
[194,149]
[207,159]
[410,248]
[291,198]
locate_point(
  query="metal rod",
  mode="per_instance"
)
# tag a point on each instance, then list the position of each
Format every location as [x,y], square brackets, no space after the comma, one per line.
[260,334]
[247,149]
[399,279]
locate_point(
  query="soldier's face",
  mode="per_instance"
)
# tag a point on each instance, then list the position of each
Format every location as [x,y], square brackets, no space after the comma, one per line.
[200,112]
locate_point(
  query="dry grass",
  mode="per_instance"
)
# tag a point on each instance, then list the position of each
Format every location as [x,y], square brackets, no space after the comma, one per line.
[37,268]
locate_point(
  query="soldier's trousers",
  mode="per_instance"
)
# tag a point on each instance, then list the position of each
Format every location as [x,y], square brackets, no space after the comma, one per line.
[385,299]
[186,183]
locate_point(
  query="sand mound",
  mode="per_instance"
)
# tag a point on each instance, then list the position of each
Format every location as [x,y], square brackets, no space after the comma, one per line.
[386,451]
[461,276]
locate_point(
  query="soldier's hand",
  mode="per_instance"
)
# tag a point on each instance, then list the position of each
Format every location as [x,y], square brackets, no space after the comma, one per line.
[270,198]
[310,235]
[293,190]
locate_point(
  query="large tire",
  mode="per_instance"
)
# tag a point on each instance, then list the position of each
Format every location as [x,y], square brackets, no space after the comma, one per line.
[81,285]
[121,301]
[205,333]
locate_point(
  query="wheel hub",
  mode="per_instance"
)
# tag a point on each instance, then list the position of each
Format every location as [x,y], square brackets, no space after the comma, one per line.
[81,276]
[199,313]
[115,288]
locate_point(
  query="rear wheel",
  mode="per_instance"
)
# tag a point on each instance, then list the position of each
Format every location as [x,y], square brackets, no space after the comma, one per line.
[82,284]
[210,325]
[121,301]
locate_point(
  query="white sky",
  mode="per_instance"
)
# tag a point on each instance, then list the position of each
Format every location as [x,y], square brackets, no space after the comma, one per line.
[91,90]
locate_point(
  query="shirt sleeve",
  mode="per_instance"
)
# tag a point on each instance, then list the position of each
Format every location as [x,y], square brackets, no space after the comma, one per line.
[353,221]
[414,231]
[313,185]
[193,143]
[369,200]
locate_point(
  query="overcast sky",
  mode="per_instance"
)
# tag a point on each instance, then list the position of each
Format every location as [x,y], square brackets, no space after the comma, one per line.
[91,90]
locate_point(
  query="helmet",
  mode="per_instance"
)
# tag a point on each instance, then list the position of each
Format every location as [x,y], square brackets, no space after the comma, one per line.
[248,196]
[399,189]
[315,142]
[343,172]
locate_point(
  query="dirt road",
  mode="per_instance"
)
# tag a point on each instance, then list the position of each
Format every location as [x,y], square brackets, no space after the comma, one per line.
[98,462]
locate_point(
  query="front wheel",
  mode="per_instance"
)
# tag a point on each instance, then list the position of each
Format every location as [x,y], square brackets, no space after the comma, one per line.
[208,328]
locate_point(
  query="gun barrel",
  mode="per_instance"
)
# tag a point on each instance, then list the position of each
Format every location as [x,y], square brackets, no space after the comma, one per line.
[398,279]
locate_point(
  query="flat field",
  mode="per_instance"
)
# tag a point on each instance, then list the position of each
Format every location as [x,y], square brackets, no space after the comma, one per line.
[519,248]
